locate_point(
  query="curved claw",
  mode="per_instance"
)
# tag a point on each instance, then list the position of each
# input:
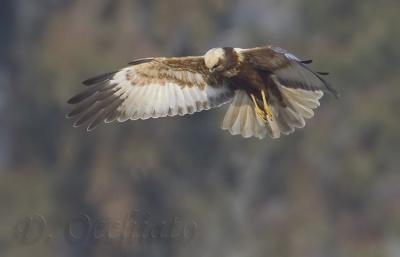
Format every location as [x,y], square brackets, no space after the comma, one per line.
[262,114]
[266,106]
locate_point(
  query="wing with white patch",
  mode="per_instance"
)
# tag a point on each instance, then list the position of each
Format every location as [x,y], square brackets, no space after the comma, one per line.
[149,88]
[290,70]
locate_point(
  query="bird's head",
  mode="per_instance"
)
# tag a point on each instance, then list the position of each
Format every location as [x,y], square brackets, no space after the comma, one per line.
[217,59]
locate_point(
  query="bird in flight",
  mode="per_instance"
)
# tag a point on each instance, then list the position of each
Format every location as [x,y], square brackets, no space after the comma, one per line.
[270,91]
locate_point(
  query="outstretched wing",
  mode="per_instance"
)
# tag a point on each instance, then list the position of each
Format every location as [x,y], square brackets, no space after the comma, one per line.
[290,70]
[149,88]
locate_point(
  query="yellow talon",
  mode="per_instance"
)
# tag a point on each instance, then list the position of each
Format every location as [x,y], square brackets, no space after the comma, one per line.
[266,106]
[260,113]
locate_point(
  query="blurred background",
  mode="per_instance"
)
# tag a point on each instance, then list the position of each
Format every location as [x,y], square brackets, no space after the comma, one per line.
[181,186]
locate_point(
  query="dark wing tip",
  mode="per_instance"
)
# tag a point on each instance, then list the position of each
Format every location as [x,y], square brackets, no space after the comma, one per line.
[306,61]
[90,128]
[141,61]
[72,100]
[84,94]
[327,85]
[109,75]
[96,110]
[98,79]
[331,89]
[76,125]
[76,99]
[69,116]
[334,92]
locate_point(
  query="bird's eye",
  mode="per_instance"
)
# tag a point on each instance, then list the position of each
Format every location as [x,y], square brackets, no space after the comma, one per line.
[216,65]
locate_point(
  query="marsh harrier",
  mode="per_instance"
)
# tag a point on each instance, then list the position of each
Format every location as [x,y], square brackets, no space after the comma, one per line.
[270,91]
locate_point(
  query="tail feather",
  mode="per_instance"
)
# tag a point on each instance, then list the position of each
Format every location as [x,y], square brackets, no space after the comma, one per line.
[299,106]
[309,99]
[241,119]
[291,118]
[283,125]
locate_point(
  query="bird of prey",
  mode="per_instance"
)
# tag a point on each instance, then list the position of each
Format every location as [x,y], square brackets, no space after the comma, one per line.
[270,91]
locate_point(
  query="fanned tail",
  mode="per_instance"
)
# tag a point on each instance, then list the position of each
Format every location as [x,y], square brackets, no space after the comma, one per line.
[241,119]
[299,106]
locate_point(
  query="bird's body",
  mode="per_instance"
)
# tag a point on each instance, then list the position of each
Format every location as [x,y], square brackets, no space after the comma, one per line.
[271,91]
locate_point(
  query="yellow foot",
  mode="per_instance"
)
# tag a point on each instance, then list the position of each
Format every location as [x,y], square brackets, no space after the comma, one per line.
[267,109]
[259,112]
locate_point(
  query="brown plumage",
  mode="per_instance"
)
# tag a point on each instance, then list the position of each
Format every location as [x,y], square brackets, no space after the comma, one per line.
[271,91]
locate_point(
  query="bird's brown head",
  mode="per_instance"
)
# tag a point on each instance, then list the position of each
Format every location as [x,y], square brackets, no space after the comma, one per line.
[220,59]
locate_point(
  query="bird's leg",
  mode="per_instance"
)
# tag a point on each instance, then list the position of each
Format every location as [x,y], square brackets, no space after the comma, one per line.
[260,113]
[266,106]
